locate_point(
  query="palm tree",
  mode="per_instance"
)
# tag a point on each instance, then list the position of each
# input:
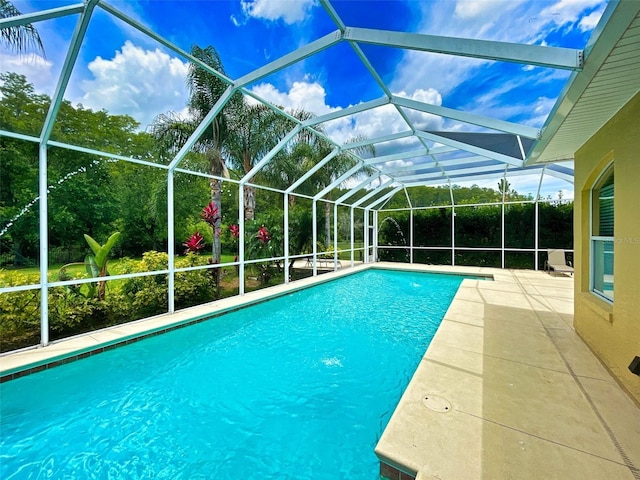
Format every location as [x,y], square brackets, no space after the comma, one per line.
[336,167]
[20,37]
[172,131]
[254,131]
[307,151]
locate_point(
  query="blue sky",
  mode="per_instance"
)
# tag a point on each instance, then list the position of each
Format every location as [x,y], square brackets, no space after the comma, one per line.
[123,71]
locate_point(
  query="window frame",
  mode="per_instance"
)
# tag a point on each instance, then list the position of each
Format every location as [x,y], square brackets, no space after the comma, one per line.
[602,180]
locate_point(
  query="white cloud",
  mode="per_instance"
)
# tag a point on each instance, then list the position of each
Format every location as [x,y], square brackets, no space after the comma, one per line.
[568,11]
[37,69]
[303,94]
[372,123]
[515,21]
[289,11]
[482,10]
[141,83]
[590,21]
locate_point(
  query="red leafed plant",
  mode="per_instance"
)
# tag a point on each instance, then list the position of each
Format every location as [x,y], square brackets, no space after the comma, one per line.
[210,214]
[194,243]
[235,230]
[263,235]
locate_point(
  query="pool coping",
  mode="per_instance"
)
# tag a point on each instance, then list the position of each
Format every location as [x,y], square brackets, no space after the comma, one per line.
[30,360]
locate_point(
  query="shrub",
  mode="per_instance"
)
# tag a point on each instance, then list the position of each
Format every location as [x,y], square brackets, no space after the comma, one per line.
[149,295]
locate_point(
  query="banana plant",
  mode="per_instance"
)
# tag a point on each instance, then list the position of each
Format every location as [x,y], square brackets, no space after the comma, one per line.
[95,265]
[98,261]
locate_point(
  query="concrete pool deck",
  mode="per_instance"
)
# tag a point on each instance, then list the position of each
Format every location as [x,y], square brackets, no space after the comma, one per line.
[506,390]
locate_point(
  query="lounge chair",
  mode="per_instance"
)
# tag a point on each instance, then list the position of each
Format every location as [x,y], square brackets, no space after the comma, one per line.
[557,262]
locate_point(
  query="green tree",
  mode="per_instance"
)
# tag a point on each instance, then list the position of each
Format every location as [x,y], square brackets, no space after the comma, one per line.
[109,200]
[306,152]
[254,131]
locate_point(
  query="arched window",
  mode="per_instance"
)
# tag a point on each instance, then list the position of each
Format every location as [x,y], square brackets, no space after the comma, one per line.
[602,240]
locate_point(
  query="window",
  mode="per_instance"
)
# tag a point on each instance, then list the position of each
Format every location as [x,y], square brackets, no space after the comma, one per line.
[602,241]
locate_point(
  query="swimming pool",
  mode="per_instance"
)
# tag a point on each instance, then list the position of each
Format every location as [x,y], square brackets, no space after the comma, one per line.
[300,386]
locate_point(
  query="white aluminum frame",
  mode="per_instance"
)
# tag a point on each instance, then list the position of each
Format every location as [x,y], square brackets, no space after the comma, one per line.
[553,57]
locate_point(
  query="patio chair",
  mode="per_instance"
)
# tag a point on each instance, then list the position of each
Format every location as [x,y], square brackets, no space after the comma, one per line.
[557,262]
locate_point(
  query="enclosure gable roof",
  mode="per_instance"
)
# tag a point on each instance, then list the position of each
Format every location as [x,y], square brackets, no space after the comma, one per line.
[604,76]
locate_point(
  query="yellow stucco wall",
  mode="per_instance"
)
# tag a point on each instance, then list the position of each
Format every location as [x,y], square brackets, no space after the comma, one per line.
[612,331]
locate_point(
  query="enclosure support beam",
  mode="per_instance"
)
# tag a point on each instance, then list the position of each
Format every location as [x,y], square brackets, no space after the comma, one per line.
[375,236]
[313,170]
[517,162]
[351,236]
[365,256]
[453,227]
[502,237]
[241,239]
[504,195]
[537,230]
[67,69]
[314,250]
[553,57]
[335,236]
[345,112]
[163,41]
[286,239]
[171,241]
[472,118]
[204,124]
[386,196]
[411,235]
[267,158]
[28,18]
[537,227]
[453,235]
[372,193]
[44,246]
[359,187]
[290,58]
[338,181]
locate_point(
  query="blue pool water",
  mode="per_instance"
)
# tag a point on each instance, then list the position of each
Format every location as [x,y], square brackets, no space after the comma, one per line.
[298,387]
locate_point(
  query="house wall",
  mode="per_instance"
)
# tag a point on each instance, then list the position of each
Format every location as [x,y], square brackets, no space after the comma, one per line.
[612,331]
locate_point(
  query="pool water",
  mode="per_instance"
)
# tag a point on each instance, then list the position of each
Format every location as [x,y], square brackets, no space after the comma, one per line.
[300,386]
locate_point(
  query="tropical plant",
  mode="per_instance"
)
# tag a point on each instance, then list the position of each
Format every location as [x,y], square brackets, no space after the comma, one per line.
[94,265]
[20,37]
[307,152]
[255,129]
[172,130]
[194,243]
[100,259]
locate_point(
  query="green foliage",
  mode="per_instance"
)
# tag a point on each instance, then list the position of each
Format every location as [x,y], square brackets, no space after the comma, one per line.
[101,252]
[71,312]
[478,227]
[254,248]
[19,312]
[149,294]
[300,230]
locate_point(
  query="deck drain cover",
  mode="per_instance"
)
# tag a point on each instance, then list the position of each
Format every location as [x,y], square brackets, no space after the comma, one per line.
[436,403]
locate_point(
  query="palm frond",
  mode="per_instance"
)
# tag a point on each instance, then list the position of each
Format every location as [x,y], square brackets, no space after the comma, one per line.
[171,131]
[22,37]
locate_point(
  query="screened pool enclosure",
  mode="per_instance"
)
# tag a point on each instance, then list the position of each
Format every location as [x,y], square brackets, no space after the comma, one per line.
[333,179]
